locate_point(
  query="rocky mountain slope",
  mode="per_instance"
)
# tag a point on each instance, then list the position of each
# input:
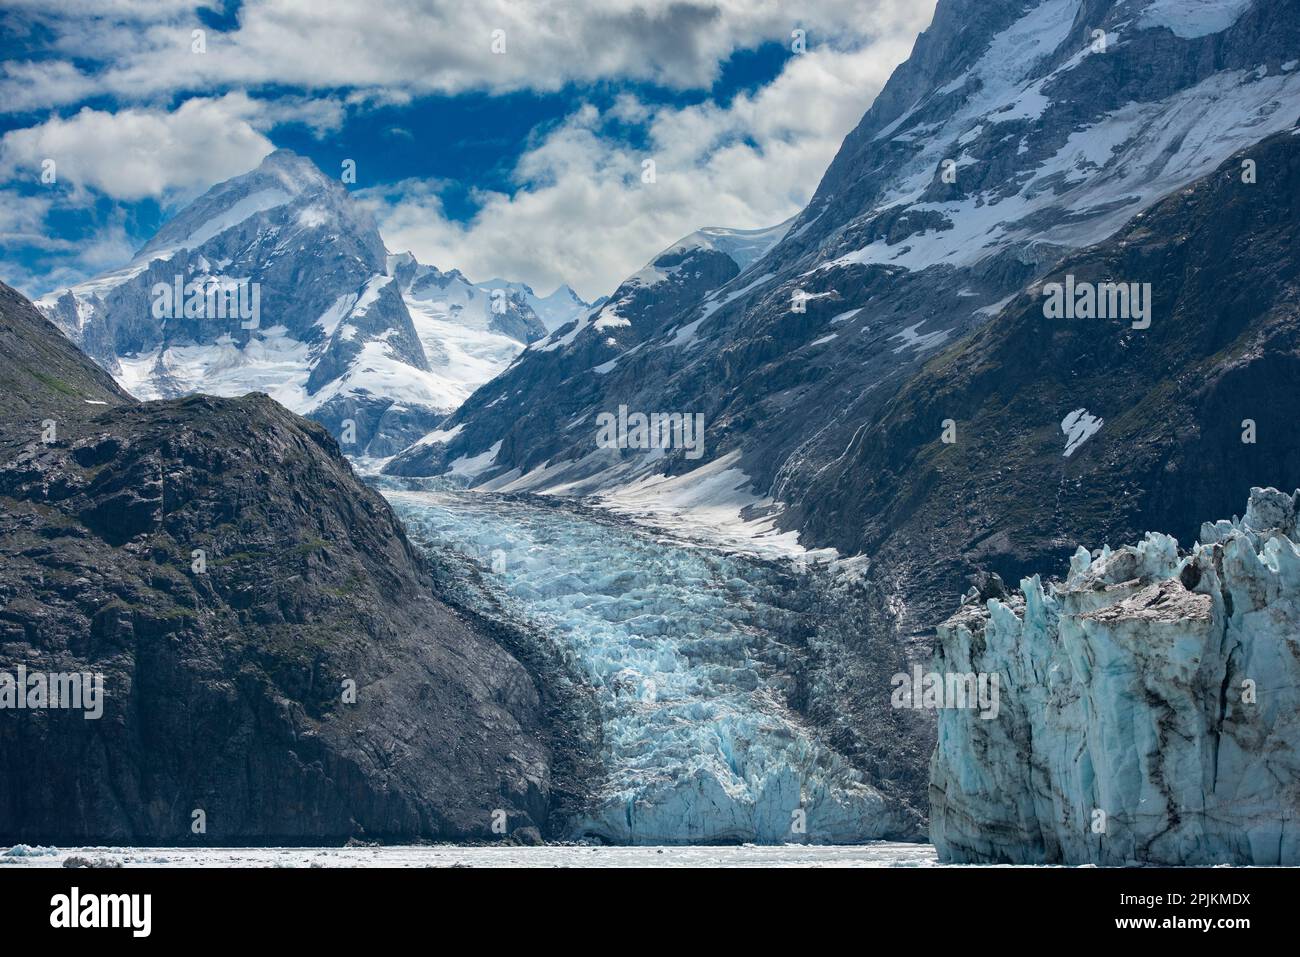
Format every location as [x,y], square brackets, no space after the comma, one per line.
[218,563]
[1148,707]
[594,343]
[340,334]
[1072,430]
[1017,132]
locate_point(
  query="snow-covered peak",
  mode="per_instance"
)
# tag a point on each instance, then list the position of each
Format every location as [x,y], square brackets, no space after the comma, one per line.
[1193,18]
[296,173]
[496,301]
[346,331]
[744,246]
[401,260]
[282,178]
[677,269]
[560,307]
[1038,141]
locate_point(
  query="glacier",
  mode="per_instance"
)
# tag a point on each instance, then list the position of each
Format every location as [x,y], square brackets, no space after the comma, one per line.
[1149,706]
[681,645]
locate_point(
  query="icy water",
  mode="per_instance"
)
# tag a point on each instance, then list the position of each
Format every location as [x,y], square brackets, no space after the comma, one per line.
[868,855]
[681,644]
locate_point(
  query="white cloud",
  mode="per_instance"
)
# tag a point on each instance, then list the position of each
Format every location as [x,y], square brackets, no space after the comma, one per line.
[578,211]
[62,261]
[137,153]
[581,213]
[22,219]
[141,51]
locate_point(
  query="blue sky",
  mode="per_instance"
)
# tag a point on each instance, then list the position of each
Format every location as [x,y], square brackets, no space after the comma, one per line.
[502,138]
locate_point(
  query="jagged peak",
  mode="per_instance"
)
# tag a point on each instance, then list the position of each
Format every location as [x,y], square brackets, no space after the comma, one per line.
[282,177]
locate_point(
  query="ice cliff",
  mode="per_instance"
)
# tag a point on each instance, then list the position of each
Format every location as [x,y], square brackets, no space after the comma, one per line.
[1149,706]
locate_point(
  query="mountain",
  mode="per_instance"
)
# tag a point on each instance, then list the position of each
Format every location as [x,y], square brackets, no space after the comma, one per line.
[472,331]
[335,337]
[594,342]
[553,311]
[1182,418]
[1018,132]
[218,563]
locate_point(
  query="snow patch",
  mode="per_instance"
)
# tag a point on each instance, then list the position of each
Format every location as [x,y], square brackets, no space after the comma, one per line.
[709,504]
[1193,18]
[440,435]
[250,205]
[471,466]
[1079,426]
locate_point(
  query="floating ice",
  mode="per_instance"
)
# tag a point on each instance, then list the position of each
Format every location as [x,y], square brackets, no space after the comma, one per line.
[27,850]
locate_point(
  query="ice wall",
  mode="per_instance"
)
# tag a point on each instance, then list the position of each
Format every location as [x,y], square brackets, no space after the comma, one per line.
[1149,709]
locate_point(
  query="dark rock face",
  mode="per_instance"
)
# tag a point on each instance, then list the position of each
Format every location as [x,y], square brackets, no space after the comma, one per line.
[42,374]
[226,685]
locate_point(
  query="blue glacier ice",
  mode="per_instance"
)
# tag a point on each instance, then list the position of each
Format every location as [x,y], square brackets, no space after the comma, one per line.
[699,744]
[1150,707]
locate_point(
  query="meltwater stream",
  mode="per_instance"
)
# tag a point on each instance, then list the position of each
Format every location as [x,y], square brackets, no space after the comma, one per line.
[699,744]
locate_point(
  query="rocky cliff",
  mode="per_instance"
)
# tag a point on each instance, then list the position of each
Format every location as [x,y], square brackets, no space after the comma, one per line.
[272,650]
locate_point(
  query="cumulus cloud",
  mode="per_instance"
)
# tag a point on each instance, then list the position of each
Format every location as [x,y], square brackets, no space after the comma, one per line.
[138,153]
[577,209]
[418,47]
[581,212]
[62,261]
[168,155]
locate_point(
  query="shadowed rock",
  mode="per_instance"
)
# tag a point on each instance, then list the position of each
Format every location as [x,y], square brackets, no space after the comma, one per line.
[221,566]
